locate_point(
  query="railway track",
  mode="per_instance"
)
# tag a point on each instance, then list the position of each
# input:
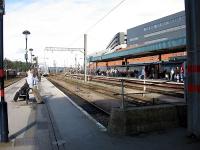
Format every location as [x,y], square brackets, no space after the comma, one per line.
[161,87]
[95,111]
[11,81]
[131,99]
[98,112]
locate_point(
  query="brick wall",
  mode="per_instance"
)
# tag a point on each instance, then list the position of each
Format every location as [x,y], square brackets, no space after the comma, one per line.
[101,64]
[155,58]
[115,63]
[167,56]
[144,59]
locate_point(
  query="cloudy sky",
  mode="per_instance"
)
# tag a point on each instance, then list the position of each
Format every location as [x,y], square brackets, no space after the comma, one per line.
[62,23]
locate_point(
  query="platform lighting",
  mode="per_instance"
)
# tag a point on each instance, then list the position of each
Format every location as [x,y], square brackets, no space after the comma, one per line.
[26,33]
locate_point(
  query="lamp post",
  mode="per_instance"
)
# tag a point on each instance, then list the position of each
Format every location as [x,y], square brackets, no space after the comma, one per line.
[3,105]
[31,54]
[26,33]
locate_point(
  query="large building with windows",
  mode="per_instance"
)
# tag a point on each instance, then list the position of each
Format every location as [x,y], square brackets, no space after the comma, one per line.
[159,46]
[118,39]
[166,28]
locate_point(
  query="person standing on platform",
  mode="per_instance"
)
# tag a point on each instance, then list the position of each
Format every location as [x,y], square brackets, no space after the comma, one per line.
[143,73]
[177,74]
[182,73]
[32,81]
[172,74]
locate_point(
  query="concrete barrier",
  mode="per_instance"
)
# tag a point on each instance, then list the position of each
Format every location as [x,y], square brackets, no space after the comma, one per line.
[146,119]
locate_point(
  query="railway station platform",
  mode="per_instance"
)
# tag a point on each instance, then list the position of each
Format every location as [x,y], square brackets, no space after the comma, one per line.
[75,129]
[60,124]
[27,123]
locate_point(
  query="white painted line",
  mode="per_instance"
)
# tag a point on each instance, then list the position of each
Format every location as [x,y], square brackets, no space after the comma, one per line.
[99,125]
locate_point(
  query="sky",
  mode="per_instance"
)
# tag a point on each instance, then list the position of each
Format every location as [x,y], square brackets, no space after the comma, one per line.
[62,23]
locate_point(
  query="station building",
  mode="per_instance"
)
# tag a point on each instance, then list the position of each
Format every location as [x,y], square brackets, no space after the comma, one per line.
[158,47]
[118,40]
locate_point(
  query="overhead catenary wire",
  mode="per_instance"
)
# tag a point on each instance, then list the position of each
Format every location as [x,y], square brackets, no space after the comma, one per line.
[98,21]
[108,13]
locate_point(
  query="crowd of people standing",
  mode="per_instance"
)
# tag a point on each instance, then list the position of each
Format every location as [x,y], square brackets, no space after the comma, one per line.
[173,73]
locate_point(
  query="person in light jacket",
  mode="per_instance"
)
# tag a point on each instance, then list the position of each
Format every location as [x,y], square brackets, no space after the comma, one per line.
[32,81]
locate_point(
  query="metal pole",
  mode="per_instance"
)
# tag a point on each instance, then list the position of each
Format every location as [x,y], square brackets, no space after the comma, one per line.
[185,82]
[26,33]
[6,69]
[26,55]
[192,10]
[31,57]
[6,74]
[75,67]
[122,93]
[3,105]
[85,57]
[26,40]
[144,88]
[76,73]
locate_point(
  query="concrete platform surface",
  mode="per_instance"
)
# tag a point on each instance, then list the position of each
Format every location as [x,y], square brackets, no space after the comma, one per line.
[28,124]
[74,131]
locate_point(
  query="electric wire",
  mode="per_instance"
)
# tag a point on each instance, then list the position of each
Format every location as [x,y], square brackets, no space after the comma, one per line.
[108,13]
[98,21]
